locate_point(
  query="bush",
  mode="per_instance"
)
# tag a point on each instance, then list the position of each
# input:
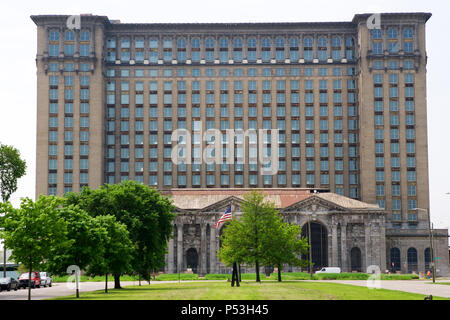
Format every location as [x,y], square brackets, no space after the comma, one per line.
[399,277]
[291,276]
[217,276]
[176,276]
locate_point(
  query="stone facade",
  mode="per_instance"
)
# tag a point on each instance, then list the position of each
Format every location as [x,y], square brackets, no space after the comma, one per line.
[347,224]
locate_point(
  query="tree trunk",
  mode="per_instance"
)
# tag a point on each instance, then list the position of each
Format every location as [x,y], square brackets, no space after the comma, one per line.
[279,273]
[257,271]
[106,283]
[29,280]
[117,281]
[139,279]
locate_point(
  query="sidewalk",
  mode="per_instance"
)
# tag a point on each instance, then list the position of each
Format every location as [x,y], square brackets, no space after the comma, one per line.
[424,287]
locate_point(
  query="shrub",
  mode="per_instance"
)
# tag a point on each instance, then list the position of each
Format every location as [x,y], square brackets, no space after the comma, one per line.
[176,277]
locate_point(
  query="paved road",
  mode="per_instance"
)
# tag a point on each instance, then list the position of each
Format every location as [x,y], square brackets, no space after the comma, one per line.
[57,290]
[414,286]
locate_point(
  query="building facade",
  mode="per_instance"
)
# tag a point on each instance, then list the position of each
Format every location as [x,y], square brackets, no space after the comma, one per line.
[349,104]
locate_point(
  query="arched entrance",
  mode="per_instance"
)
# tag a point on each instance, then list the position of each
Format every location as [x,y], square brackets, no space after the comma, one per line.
[192,259]
[319,245]
[427,259]
[355,257]
[395,260]
[412,260]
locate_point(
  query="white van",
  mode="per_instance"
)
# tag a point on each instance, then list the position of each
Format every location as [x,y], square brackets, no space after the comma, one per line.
[329,270]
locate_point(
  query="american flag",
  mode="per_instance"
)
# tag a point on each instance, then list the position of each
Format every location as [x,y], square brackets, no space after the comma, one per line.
[226,216]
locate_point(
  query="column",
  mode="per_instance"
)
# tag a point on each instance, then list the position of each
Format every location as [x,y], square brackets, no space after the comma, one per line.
[334,246]
[170,266]
[180,248]
[203,249]
[344,247]
[213,254]
[368,245]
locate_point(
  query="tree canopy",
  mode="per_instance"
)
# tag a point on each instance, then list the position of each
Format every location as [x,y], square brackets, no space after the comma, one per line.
[147,214]
[34,231]
[261,237]
[12,167]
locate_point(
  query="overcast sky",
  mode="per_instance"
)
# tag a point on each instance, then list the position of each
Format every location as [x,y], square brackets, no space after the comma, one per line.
[18,68]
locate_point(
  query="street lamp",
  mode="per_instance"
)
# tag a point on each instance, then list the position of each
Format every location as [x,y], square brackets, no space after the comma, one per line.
[430,235]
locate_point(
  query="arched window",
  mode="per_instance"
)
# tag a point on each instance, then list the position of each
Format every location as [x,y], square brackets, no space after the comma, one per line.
[336,45]
[69,36]
[209,49]
[308,48]
[408,43]
[251,49]
[209,43]
[350,48]
[412,260]
[355,258]
[322,42]
[395,260]
[322,49]
[237,43]
[265,43]
[53,35]
[167,49]
[237,49]
[265,49]
[195,43]
[293,43]
[293,49]
[377,34]
[85,36]
[181,50]
[223,52]
[181,43]
[427,259]
[279,54]
[223,43]
[251,43]
[279,42]
[392,33]
[336,42]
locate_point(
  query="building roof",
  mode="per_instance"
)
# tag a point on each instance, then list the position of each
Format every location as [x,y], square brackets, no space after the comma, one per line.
[117,25]
[196,199]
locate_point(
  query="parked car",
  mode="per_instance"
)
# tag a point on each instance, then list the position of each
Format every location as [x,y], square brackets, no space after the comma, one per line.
[35,280]
[329,270]
[46,280]
[9,283]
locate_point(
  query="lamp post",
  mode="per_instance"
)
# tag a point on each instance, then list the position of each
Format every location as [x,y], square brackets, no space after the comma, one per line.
[430,235]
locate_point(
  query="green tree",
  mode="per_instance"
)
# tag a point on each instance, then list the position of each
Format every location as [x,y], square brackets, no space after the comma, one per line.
[87,235]
[12,167]
[245,240]
[34,231]
[118,250]
[284,244]
[147,214]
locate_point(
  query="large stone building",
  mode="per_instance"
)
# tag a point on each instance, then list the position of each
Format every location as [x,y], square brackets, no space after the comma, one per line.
[349,104]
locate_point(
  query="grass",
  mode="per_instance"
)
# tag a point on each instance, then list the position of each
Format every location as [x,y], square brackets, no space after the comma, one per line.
[251,276]
[248,291]
[444,283]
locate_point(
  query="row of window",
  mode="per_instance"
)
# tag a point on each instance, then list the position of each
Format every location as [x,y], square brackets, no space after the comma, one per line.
[236,72]
[392,41]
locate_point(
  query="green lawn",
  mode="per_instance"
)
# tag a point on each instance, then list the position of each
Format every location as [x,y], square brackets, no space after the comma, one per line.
[248,291]
[444,283]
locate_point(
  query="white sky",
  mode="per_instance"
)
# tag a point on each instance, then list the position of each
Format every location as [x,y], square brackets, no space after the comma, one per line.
[18,68]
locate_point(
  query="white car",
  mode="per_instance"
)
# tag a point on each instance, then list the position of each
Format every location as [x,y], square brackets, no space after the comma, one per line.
[46,280]
[329,270]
